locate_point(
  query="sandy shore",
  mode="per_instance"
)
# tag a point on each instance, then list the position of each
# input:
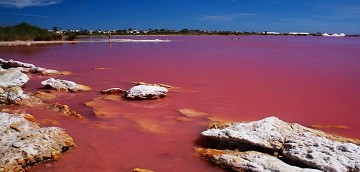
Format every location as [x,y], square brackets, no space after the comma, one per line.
[29,43]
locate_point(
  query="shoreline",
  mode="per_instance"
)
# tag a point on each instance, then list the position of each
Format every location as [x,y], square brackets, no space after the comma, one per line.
[29,43]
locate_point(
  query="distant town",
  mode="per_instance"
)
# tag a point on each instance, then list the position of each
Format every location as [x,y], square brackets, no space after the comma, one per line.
[130,31]
[27,32]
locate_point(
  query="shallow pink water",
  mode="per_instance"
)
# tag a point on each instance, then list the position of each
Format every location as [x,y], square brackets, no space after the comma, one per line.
[308,80]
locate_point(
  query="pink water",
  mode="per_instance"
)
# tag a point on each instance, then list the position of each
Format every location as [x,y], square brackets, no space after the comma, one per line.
[308,80]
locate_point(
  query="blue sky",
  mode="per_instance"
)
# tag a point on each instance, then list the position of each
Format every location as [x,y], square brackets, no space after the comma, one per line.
[332,16]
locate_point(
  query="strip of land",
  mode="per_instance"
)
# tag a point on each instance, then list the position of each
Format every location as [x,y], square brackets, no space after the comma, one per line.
[29,43]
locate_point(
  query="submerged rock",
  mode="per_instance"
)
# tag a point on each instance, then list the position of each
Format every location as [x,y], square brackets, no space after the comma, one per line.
[145,125]
[64,85]
[113,91]
[141,170]
[45,95]
[65,110]
[12,78]
[248,161]
[146,92]
[159,85]
[295,143]
[24,143]
[191,112]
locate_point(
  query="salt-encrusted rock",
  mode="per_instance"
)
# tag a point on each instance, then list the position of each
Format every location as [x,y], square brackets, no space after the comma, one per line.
[13,63]
[12,95]
[16,96]
[249,161]
[113,91]
[64,85]
[23,142]
[294,142]
[44,71]
[27,67]
[316,149]
[12,78]
[146,92]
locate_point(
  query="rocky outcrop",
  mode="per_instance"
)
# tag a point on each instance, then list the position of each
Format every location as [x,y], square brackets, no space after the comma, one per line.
[248,161]
[27,67]
[23,143]
[146,92]
[292,142]
[12,78]
[11,81]
[12,95]
[15,95]
[64,85]
[113,91]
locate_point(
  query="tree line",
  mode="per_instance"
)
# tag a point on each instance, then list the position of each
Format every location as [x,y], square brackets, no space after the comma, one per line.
[25,31]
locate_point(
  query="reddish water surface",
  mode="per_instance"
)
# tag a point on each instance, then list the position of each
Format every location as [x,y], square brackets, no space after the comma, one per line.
[308,80]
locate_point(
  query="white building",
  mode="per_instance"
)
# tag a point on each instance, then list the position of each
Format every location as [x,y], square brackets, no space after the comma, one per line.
[299,33]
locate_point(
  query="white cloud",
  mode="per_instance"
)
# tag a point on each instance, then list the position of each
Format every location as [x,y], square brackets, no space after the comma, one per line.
[20,14]
[221,18]
[27,3]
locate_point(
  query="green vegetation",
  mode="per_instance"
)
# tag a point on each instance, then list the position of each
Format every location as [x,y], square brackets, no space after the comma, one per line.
[25,32]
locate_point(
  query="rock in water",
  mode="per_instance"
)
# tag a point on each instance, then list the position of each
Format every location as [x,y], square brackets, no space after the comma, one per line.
[65,110]
[44,71]
[24,143]
[12,78]
[248,161]
[64,85]
[146,92]
[13,63]
[160,85]
[113,91]
[294,142]
[27,67]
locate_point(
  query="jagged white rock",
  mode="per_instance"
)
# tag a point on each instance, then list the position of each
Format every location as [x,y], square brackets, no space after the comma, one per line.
[64,85]
[267,133]
[146,92]
[27,67]
[295,142]
[12,78]
[316,150]
[13,63]
[23,142]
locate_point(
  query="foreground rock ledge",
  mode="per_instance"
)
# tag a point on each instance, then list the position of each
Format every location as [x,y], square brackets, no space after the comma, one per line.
[248,161]
[24,143]
[292,142]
